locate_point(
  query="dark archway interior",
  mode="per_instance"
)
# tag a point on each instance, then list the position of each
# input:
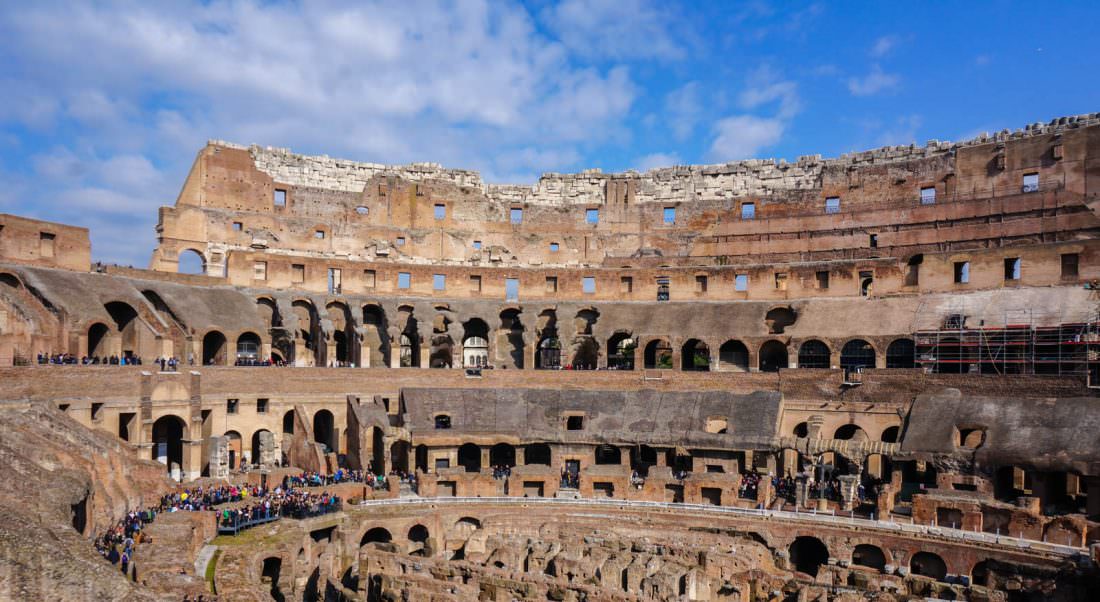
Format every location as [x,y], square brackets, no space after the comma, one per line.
[469,457]
[808,554]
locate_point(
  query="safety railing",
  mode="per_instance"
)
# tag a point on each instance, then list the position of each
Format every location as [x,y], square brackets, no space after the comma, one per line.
[760,513]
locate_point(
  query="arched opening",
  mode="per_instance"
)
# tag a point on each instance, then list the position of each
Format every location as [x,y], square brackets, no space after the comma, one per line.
[502,454]
[658,355]
[802,430]
[399,456]
[376,535]
[410,355]
[126,324]
[979,575]
[510,338]
[375,337]
[850,432]
[695,356]
[378,451]
[537,453]
[258,449]
[912,270]
[778,319]
[308,331]
[418,533]
[733,356]
[270,574]
[869,556]
[808,554]
[324,431]
[928,564]
[890,434]
[441,348]
[548,356]
[191,262]
[623,347]
[340,340]
[234,447]
[288,422]
[901,354]
[641,458]
[586,353]
[343,334]
[97,340]
[422,458]
[248,349]
[813,354]
[475,344]
[469,457]
[168,442]
[213,349]
[773,356]
[608,454]
[857,353]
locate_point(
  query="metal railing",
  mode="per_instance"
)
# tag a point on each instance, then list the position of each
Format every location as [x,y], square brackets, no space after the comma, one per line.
[831,518]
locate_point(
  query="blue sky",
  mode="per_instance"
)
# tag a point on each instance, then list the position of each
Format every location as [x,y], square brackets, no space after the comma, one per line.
[105,106]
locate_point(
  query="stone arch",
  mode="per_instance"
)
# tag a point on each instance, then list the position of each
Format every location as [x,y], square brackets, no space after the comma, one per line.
[344,339]
[256,448]
[98,335]
[418,533]
[901,353]
[850,432]
[399,456]
[891,434]
[548,354]
[475,343]
[502,454]
[869,555]
[808,554]
[324,430]
[510,338]
[695,356]
[126,322]
[376,535]
[308,330]
[441,345]
[622,350]
[733,356]
[536,453]
[249,349]
[814,354]
[375,336]
[608,454]
[658,354]
[802,430]
[857,353]
[773,356]
[235,447]
[288,422]
[928,564]
[214,348]
[168,434]
[191,261]
[469,457]
[979,574]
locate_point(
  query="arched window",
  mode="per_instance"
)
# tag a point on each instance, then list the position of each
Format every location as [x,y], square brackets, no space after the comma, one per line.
[695,356]
[813,354]
[658,354]
[773,356]
[807,554]
[857,353]
[549,354]
[900,354]
[191,262]
[733,356]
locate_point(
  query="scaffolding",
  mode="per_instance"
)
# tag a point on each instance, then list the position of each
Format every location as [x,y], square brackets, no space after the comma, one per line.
[1021,346]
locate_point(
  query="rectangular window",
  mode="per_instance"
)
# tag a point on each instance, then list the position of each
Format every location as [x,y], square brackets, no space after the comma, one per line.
[670,215]
[1012,268]
[439,282]
[335,281]
[588,285]
[400,241]
[823,280]
[832,204]
[238,226]
[551,284]
[592,216]
[928,195]
[664,290]
[626,284]
[280,198]
[404,280]
[318,234]
[700,284]
[45,244]
[261,406]
[780,281]
[574,423]
[962,272]
[231,406]
[748,210]
[475,284]
[511,289]
[1031,182]
[554,247]
[440,211]
[873,242]
[515,215]
[1069,265]
[370,278]
[477,245]
[297,273]
[741,282]
[259,270]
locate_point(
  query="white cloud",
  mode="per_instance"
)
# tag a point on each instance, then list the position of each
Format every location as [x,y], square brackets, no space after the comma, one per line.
[874,82]
[884,45]
[656,160]
[617,29]
[684,108]
[765,86]
[743,136]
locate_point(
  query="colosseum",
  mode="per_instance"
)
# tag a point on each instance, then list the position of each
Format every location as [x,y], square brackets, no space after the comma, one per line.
[863,377]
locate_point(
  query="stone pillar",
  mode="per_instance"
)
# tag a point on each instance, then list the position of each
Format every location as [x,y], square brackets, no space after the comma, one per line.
[1092,488]
[521,455]
[529,348]
[425,355]
[217,457]
[268,453]
[848,495]
[302,356]
[330,352]
[485,457]
[801,490]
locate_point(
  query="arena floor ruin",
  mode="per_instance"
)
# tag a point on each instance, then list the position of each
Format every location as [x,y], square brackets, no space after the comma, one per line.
[864,377]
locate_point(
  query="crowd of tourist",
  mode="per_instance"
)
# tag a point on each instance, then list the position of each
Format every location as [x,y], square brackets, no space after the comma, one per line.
[502,471]
[750,484]
[277,503]
[69,359]
[570,480]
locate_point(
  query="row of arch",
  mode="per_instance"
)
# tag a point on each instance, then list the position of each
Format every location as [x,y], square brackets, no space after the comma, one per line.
[807,554]
[773,355]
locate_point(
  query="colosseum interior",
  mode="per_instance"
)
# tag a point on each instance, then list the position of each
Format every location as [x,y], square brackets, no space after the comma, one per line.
[864,377]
